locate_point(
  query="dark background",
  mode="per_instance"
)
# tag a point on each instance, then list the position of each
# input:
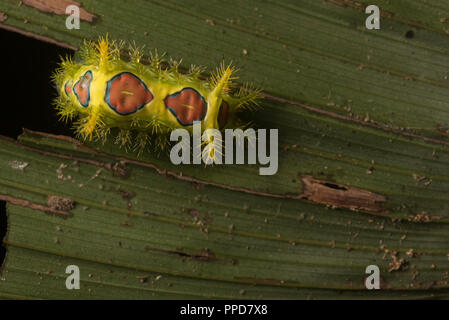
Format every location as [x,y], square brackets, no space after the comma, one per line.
[26,88]
[27,93]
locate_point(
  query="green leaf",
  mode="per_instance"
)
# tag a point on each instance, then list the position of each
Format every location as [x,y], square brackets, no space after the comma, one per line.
[363,163]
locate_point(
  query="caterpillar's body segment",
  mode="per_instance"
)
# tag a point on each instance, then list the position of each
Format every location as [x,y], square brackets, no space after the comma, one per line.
[105,92]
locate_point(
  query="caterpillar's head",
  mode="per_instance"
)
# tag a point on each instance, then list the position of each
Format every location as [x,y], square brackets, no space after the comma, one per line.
[73,86]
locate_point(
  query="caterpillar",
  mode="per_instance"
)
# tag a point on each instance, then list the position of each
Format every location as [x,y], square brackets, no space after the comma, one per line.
[145,102]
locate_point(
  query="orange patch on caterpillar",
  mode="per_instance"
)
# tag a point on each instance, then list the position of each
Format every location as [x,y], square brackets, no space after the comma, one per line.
[82,88]
[68,88]
[187,106]
[126,93]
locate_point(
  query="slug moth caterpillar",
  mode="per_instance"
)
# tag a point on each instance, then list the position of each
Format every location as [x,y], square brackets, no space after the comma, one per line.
[144,101]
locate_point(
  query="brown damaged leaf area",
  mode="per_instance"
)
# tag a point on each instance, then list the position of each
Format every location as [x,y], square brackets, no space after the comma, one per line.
[60,203]
[360,6]
[3,16]
[59,7]
[206,255]
[337,195]
[35,206]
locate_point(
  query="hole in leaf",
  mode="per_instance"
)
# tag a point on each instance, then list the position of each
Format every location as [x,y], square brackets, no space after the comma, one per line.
[334,186]
[410,34]
[28,93]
